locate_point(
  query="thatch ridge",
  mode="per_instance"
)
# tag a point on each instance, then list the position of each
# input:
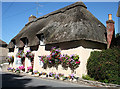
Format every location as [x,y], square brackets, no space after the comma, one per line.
[62,10]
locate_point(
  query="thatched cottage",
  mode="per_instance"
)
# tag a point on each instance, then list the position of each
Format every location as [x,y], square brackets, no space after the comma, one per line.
[73,29]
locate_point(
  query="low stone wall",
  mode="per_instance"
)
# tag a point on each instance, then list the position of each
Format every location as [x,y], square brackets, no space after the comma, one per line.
[98,84]
[4,66]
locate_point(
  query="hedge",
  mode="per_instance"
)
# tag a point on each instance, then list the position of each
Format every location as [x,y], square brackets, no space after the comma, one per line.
[104,66]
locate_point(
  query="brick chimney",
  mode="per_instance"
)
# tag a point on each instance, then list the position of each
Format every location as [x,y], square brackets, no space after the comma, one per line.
[32,17]
[110,31]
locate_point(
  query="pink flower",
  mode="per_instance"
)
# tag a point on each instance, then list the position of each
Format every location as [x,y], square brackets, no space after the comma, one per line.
[77,62]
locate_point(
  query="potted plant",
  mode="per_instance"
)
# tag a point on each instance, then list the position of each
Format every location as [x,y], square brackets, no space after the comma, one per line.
[36,73]
[29,55]
[17,70]
[43,74]
[30,70]
[10,59]
[9,69]
[74,61]
[20,54]
[22,68]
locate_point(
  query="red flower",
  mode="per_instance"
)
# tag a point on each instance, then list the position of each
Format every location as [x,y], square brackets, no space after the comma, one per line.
[77,62]
[19,56]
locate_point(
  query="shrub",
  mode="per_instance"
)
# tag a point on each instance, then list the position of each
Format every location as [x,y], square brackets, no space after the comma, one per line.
[87,77]
[104,65]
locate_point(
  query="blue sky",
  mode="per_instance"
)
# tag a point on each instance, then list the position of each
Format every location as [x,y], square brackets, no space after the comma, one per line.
[15,14]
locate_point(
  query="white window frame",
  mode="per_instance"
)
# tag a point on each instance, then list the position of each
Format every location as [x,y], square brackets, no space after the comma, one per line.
[42,40]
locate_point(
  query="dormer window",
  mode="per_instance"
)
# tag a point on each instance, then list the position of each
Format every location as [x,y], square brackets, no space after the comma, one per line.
[25,41]
[42,40]
[14,42]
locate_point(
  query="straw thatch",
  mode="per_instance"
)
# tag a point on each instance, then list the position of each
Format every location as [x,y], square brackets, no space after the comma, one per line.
[73,22]
[118,12]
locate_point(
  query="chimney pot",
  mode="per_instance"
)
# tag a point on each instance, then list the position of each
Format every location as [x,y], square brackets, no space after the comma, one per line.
[32,17]
[110,16]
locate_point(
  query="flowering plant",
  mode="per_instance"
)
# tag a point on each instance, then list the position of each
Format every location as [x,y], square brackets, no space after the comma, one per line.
[10,59]
[60,75]
[51,74]
[29,54]
[43,59]
[55,55]
[56,58]
[74,61]
[36,72]
[20,54]
[71,76]
[53,58]
[17,70]
[65,60]
[29,69]
[10,69]
[22,68]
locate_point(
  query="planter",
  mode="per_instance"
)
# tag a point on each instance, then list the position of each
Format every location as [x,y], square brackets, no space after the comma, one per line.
[70,80]
[61,78]
[21,71]
[10,70]
[36,75]
[43,76]
[74,80]
[51,77]
[30,73]
[17,72]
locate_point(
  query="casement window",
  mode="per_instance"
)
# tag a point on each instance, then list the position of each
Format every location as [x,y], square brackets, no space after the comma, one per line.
[25,41]
[14,42]
[21,49]
[42,40]
[11,49]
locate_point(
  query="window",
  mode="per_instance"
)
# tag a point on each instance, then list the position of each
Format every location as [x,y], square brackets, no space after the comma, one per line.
[42,39]
[25,41]
[11,49]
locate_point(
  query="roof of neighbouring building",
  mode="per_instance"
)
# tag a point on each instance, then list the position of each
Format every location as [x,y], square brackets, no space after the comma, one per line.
[3,44]
[73,22]
[118,12]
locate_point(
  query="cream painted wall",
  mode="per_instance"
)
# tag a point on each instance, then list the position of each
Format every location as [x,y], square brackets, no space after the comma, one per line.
[83,53]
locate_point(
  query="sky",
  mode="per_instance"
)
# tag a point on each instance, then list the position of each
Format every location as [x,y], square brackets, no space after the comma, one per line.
[15,14]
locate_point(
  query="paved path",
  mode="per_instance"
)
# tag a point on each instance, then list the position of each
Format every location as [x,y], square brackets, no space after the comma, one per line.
[13,80]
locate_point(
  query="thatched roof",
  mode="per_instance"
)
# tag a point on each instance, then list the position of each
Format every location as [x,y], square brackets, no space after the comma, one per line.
[73,22]
[16,40]
[118,12]
[3,44]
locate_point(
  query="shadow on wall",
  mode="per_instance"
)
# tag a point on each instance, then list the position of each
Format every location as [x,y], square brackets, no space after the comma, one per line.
[75,44]
[12,80]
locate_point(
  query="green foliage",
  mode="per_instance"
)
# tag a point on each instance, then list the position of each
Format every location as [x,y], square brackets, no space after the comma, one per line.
[55,58]
[87,77]
[104,65]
